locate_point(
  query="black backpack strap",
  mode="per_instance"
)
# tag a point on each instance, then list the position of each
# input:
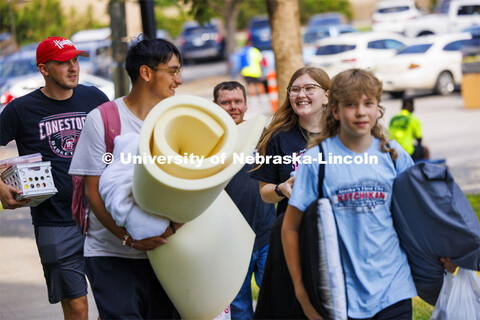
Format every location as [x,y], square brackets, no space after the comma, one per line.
[321,173]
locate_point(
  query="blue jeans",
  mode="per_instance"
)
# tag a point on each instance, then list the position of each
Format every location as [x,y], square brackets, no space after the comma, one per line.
[242,305]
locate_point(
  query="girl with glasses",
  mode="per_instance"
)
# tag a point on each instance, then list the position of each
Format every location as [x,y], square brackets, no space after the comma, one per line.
[294,122]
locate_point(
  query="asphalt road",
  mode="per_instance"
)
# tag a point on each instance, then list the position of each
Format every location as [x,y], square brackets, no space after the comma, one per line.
[451,132]
[203,70]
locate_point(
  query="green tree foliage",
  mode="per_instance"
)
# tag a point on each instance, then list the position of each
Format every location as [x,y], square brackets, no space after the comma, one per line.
[173,24]
[311,7]
[4,17]
[249,9]
[36,20]
[203,10]
[80,21]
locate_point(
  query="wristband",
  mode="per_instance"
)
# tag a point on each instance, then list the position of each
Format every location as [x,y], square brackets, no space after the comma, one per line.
[278,192]
[125,238]
[131,244]
[172,227]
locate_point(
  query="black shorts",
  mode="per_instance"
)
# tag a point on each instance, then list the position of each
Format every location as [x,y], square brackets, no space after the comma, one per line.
[61,255]
[253,80]
[128,289]
[401,310]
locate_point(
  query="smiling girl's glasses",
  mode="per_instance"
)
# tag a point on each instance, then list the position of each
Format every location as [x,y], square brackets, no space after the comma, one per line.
[309,89]
[173,72]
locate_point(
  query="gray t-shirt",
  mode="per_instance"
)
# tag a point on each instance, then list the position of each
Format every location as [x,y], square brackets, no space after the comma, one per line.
[87,161]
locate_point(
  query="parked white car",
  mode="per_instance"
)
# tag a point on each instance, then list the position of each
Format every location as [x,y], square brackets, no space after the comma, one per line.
[356,50]
[433,62]
[452,16]
[20,87]
[315,33]
[391,15]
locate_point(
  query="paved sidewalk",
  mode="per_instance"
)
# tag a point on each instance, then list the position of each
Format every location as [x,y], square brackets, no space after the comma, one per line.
[23,292]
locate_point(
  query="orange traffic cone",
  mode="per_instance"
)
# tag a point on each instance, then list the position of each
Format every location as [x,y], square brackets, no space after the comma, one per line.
[272,89]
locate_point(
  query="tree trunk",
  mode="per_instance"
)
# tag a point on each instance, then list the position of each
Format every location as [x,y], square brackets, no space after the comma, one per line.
[284,18]
[231,11]
[116,8]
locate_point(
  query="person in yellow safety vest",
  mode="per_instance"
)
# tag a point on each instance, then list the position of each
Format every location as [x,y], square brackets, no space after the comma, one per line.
[405,128]
[251,69]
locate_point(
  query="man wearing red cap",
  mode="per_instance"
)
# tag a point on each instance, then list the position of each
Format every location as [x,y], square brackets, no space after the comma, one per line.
[49,121]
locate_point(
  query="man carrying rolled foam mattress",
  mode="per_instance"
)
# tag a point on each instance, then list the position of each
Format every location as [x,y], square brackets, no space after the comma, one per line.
[122,280]
[243,190]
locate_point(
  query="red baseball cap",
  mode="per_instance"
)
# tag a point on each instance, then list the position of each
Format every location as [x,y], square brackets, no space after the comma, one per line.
[58,49]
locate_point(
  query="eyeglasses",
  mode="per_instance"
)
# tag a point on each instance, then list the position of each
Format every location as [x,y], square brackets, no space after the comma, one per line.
[309,89]
[173,72]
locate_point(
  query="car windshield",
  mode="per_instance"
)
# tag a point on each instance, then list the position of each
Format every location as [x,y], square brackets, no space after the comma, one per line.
[4,87]
[418,48]
[468,10]
[393,9]
[334,49]
[199,30]
[313,35]
[347,29]
[444,6]
[9,68]
[324,20]
[260,24]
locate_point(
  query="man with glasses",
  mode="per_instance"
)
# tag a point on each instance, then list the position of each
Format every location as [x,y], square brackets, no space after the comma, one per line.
[122,280]
[243,191]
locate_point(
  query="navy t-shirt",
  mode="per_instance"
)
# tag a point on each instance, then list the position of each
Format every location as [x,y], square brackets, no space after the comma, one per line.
[245,194]
[52,128]
[283,144]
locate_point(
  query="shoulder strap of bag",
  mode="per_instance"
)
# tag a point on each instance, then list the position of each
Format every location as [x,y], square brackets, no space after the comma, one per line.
[111,123]
[79,203]
[390,153]
[321,174]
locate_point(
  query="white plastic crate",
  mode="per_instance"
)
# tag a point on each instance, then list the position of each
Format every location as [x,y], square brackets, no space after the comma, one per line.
[34,179]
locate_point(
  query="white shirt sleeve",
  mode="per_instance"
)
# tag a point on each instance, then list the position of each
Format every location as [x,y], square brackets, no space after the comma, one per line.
[87,158]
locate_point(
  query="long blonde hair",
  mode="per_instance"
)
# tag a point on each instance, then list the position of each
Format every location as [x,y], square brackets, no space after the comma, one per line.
[351,85]
[285,119]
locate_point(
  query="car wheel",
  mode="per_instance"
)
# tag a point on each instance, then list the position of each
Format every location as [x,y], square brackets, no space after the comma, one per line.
[397,94]
[445,84]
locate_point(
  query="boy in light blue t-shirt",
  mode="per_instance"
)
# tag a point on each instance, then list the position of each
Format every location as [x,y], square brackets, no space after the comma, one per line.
[376,270]
[359,175]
